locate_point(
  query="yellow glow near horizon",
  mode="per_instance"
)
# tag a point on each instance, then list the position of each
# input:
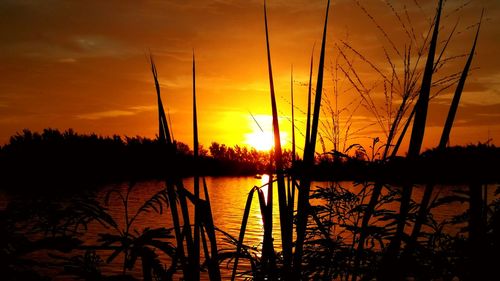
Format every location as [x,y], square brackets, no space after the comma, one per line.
[262,141]
[261,136]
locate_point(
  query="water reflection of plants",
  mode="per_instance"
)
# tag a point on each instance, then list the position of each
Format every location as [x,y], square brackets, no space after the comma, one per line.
[146,245]
[445,249]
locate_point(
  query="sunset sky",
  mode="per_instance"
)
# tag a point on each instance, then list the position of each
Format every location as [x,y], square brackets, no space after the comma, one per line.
[83,64]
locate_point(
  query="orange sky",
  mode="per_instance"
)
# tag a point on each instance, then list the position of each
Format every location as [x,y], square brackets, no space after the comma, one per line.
[82,64]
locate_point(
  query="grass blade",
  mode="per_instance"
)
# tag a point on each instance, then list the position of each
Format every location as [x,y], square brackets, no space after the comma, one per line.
[285,221]
[243,227]
[423,211]
[196,243]
[309,151]
[416,140]
[445,136]
[163,131]
[213,266]
[268,259]
[164,138]
[403,133]
[293,118]
[309,94]
[417,134]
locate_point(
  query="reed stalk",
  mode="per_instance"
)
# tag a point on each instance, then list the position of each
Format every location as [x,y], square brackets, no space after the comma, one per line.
[408,88]
[309,151]
[285,220]
[203,220]
[196,250]
[268,259]
[424,205]
[417,134]
[309,94]
[445,136]
[293,118]
[213,261]
[291,178]
[403,133]
[163,130]
[416,140]
[244,222]
[164,138]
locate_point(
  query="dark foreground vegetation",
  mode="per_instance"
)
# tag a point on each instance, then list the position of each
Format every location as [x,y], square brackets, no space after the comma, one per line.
[42,237]
[55,160]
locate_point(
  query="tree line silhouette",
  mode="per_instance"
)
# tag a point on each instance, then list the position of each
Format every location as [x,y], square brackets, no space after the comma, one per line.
[451,165]
[67,159]
[58,159]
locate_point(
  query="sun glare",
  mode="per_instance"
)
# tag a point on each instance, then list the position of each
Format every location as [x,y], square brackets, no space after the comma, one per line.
[260,141]
[263,141]
[261,135]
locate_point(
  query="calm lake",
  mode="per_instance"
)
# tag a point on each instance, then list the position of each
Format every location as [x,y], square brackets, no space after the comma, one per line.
[228,197]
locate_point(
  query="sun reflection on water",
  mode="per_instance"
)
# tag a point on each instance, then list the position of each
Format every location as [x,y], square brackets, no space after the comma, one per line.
[265,185]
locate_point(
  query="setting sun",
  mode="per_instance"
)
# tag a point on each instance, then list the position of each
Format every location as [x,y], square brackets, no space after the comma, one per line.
[261,132]
[263,141]
[260,141]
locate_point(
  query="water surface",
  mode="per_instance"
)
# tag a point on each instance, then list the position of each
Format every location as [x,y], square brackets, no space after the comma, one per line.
[228,197]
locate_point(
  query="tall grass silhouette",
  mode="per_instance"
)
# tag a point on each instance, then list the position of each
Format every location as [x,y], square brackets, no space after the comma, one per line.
[202,233]
[291,263]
